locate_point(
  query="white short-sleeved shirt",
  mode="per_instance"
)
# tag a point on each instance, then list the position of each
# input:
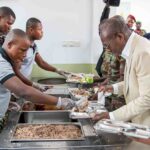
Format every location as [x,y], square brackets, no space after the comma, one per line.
[6,72]
[27,65]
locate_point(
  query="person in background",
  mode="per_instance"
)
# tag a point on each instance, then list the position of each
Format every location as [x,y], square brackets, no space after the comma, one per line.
[13,50]
[138,29]
[7,18]
[34,31]
[143,32]
[130,21]
[135,49]
[147,35]
[112,69]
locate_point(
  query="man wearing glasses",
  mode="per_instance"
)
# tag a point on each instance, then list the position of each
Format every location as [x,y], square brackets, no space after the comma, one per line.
[115,34]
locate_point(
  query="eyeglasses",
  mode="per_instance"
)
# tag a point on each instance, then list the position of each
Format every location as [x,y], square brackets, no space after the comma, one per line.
[107,46]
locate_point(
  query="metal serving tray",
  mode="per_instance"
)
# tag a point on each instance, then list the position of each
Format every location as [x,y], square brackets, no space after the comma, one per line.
[45,117]
[51,81]
[14,139]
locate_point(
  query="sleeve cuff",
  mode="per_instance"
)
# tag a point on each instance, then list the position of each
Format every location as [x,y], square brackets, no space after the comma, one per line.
[115,87]
[6,78]
[111,116]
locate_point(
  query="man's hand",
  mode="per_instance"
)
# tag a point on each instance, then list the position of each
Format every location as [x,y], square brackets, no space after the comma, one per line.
[40,87]
[62,72]
[106,88]
[103,115]
[13,106]
[65,103]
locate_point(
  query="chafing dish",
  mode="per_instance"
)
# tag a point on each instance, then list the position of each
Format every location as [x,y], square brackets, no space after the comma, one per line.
[44,117]
[20,134]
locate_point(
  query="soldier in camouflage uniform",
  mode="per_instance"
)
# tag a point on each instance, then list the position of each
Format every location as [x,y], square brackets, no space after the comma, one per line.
[112,69]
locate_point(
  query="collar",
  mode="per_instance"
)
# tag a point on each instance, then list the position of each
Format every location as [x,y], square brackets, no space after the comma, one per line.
[126,50]
[5,56]
[2,39]
[33,46]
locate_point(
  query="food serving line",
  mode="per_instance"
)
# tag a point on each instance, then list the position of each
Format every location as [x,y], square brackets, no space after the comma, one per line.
[88,138]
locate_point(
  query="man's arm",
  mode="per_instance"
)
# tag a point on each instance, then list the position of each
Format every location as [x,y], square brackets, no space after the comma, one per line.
[16,69]
[16,86]
[142,103]
[43,64]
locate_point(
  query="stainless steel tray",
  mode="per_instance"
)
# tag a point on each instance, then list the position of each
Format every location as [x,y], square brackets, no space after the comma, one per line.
[51,81]
[14,139]
[44,117]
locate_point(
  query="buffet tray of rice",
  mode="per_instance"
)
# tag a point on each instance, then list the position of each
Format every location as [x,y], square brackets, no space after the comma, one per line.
[47,132]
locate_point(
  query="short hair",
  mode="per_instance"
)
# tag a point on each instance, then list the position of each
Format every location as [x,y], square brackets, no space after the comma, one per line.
[113,25]
[138,22]
[6,11]
[14,34]
[32,22]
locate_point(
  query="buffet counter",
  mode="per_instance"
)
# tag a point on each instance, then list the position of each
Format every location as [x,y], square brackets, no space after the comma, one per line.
[91,140]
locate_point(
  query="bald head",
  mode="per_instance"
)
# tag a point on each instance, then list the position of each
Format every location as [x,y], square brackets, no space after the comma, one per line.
[14,36]
[16,45]
[114,34]
[114,25]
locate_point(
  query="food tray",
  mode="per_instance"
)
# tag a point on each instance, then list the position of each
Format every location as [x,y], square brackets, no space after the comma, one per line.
[39,128]
[141,131]
[44,117]
[125,128]
[76,94]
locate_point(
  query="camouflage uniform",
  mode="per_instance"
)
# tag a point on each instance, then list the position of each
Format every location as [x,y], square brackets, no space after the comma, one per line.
[113,69]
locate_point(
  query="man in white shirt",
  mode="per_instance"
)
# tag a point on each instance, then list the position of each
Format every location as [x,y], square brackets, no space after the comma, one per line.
[34,31]
[116,36]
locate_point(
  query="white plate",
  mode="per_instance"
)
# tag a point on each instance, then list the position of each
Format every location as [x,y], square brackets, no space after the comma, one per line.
[106,128]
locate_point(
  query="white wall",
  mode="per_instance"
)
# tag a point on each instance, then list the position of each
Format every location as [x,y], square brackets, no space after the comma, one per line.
[63,20]
[96,46]
[72,20]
